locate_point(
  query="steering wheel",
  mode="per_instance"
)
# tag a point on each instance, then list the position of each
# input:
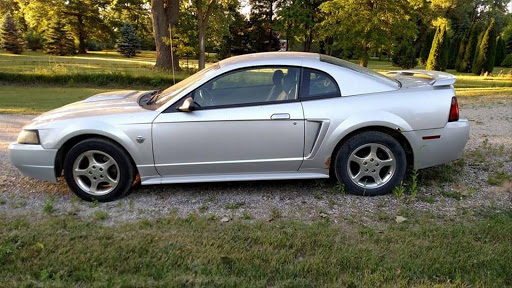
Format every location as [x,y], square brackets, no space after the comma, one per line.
[205,98]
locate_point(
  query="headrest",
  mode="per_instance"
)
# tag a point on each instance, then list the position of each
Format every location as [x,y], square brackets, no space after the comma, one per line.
[277,78]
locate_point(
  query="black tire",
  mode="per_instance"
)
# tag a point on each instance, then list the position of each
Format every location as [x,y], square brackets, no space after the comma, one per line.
[354,143]
[126,168]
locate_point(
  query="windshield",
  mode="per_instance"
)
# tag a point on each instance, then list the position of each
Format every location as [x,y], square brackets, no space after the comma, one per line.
[175,89]
[357,68]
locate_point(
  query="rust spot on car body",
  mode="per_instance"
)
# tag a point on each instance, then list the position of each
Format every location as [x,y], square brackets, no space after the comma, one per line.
[328,163]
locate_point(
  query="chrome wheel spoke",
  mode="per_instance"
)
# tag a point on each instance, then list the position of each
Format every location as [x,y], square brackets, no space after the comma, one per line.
[80,172]
[377,179]
[107,164]
[357,159]
[387,162]
[94,185]
[373,150]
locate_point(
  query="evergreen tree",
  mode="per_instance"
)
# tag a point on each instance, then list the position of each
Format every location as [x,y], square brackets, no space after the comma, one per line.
[500,51]
[129,42]
[486,53]
[425,48]
[438,55]
[453,52]
[471,47]
[10,38]
[58,39]
[460,54]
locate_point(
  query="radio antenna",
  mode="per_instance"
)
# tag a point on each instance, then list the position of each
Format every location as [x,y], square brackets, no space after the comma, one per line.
[172,55]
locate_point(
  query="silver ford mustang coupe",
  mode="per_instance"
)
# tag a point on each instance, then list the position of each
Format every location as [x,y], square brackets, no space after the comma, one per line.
[264,116]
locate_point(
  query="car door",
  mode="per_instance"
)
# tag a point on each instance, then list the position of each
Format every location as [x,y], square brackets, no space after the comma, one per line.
[245,121]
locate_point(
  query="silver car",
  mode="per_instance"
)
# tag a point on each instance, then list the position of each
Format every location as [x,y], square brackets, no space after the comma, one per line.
[265,116]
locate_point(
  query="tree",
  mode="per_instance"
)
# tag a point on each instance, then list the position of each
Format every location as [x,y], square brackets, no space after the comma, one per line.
[58,39]
[164,18]
[437,57]
[471,47]
[343,20]
[83,17]
[262,37]
[129,42]
[425,48]
[10,37]
[204,11]
[460,54]
[404,56]
[453,51]
[299,19]
[500,51]
[486,53]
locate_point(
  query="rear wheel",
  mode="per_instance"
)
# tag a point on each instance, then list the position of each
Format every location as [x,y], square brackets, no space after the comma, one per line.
[97,169]
[370,163]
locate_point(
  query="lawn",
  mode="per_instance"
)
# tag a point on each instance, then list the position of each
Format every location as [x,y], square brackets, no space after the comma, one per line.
[200,251]
[33,100]
[35,82]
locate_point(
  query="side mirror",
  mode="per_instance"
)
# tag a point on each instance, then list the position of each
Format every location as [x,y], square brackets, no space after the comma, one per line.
[188,105]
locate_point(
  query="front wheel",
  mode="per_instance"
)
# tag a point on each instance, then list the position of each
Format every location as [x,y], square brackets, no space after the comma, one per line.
[371,163]
[97,169]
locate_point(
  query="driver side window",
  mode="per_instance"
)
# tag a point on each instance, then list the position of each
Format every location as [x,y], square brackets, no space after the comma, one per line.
[249,85]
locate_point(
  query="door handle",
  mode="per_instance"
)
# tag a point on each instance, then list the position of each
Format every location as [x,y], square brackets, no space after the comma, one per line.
[280,116]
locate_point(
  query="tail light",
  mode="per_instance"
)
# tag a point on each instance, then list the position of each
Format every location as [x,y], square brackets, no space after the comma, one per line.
[454,111]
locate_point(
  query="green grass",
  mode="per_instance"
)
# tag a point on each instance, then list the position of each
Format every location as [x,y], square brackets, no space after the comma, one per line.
[73,78]
[63,252]
[31,100]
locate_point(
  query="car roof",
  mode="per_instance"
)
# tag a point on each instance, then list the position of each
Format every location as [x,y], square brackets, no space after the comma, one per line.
[268,57]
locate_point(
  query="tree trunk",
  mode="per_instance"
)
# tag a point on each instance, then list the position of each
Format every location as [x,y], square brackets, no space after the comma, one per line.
[363,61]
[163,13]
[201,27]
[81,35]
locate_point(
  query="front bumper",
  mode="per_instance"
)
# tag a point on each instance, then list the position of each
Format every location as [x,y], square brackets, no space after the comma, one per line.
[448,147]
[34,161]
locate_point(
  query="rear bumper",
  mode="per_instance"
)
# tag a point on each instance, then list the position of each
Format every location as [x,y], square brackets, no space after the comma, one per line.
[34,161]
[432,151]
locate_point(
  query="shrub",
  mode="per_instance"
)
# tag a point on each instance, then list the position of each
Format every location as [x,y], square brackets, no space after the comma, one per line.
[486,53]
[34,40]
[58,39]
[507,62]
[129,42]
[453,52]
[94,46]
[10,36]
[404,56]
[438,55]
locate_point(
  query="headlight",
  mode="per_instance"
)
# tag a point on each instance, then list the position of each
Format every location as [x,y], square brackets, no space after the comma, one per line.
[28,137]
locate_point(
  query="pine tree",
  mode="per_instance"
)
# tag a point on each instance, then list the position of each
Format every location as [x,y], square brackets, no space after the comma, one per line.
[10,37]
[460,54]
[486,53]
[438,55]
[425,48]
[129,42]
[471,47]
[500,51]
[453,51]
[58,39]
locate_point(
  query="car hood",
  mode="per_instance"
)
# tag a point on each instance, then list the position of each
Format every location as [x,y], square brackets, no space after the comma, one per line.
[103,104]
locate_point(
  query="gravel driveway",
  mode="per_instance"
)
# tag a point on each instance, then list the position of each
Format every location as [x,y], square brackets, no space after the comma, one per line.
[465,190]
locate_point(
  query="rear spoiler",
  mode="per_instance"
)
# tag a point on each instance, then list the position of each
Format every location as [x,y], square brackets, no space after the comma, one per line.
[437,78]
